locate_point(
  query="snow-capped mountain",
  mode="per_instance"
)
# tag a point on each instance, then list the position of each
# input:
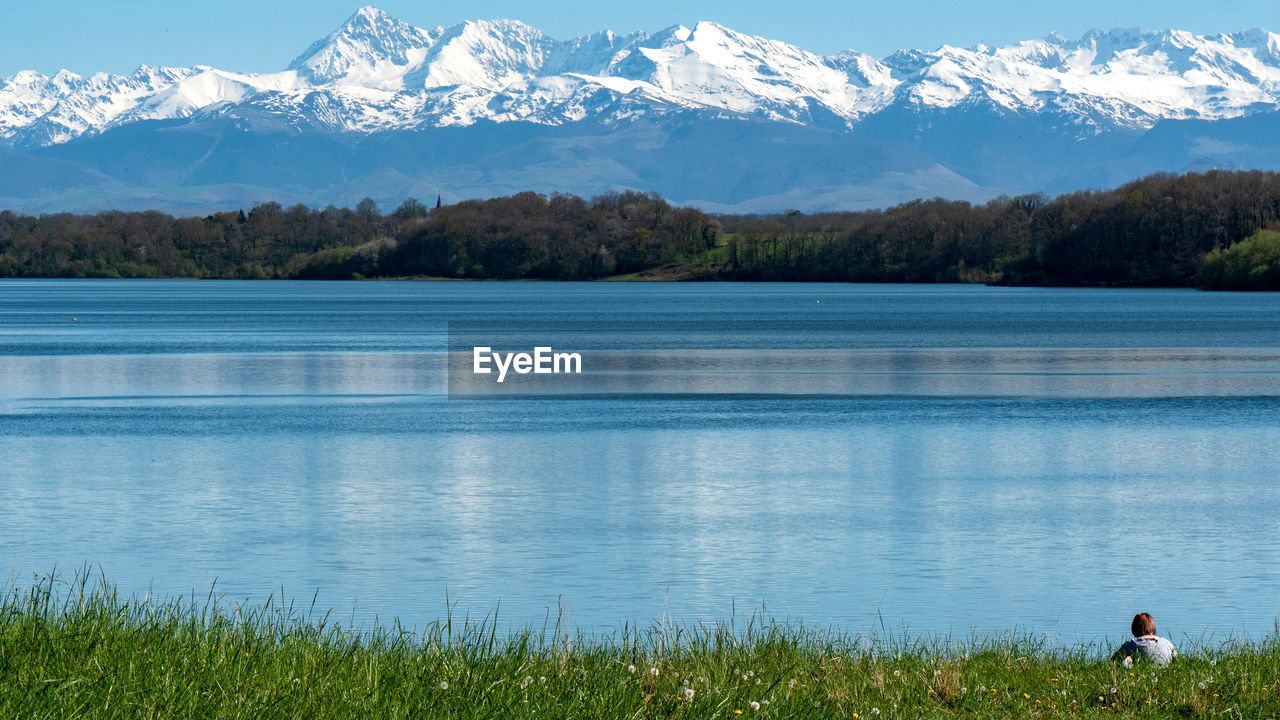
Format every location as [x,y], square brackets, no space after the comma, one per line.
[1049,114]
[49,110]
[377,73]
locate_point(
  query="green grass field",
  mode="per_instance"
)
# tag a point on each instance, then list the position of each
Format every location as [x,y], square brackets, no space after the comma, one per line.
[76,649]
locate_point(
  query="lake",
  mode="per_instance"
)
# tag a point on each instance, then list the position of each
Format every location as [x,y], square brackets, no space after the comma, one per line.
[944,459]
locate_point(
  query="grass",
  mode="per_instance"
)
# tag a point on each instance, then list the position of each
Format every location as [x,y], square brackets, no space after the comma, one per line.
[670,273]
[71,648]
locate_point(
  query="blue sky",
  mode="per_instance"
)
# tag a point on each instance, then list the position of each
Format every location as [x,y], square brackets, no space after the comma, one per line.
[264,35]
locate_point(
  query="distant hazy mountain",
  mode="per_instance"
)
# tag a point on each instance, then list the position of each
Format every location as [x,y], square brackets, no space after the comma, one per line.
[703,115]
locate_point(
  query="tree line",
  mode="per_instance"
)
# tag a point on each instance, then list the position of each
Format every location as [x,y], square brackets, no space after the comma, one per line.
[1162,230]
[526,235]
[1156,231]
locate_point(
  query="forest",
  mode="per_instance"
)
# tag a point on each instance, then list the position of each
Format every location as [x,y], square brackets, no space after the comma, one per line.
[1216,230]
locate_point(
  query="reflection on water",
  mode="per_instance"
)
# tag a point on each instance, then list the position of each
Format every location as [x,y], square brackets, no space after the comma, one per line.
[932,477]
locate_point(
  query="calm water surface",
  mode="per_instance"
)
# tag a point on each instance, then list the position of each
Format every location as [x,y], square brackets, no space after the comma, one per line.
[948,459]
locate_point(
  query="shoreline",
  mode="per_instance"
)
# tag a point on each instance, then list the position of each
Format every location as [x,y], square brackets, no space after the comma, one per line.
[665,275]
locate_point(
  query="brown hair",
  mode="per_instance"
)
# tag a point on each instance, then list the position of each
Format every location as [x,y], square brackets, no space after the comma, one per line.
[1143,624]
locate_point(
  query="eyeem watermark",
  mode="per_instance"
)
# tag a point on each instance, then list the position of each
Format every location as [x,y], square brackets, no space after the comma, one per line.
[542,361]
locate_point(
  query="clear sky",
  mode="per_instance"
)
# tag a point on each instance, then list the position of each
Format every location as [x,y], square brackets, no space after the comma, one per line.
[264,35]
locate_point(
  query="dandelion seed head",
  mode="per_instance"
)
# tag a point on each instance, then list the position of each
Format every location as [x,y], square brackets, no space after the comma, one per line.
[444,684]
[1213,662]
[653,671]
[631,669]
[1113,691]
[875,711]
[688,693]
[542,679]
[755,705]
[1202,686]
[896,673]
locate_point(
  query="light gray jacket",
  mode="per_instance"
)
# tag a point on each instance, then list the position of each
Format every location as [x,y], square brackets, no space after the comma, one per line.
[1148,647]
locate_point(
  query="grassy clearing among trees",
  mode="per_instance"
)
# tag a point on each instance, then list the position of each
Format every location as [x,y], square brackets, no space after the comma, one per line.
[76,649]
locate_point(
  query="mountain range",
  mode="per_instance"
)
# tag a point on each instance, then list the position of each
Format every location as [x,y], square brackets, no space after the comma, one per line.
[703,115]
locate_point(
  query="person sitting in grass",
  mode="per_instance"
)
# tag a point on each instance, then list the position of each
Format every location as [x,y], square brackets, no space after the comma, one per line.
[1145,645]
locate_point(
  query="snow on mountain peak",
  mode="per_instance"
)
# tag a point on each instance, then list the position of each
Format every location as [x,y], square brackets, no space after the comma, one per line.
[590,54]
[375,72]
[370,48]
[25,77]
[369,15]
[483,54]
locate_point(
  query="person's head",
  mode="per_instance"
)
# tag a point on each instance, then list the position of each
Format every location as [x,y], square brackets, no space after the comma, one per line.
[1143,624]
